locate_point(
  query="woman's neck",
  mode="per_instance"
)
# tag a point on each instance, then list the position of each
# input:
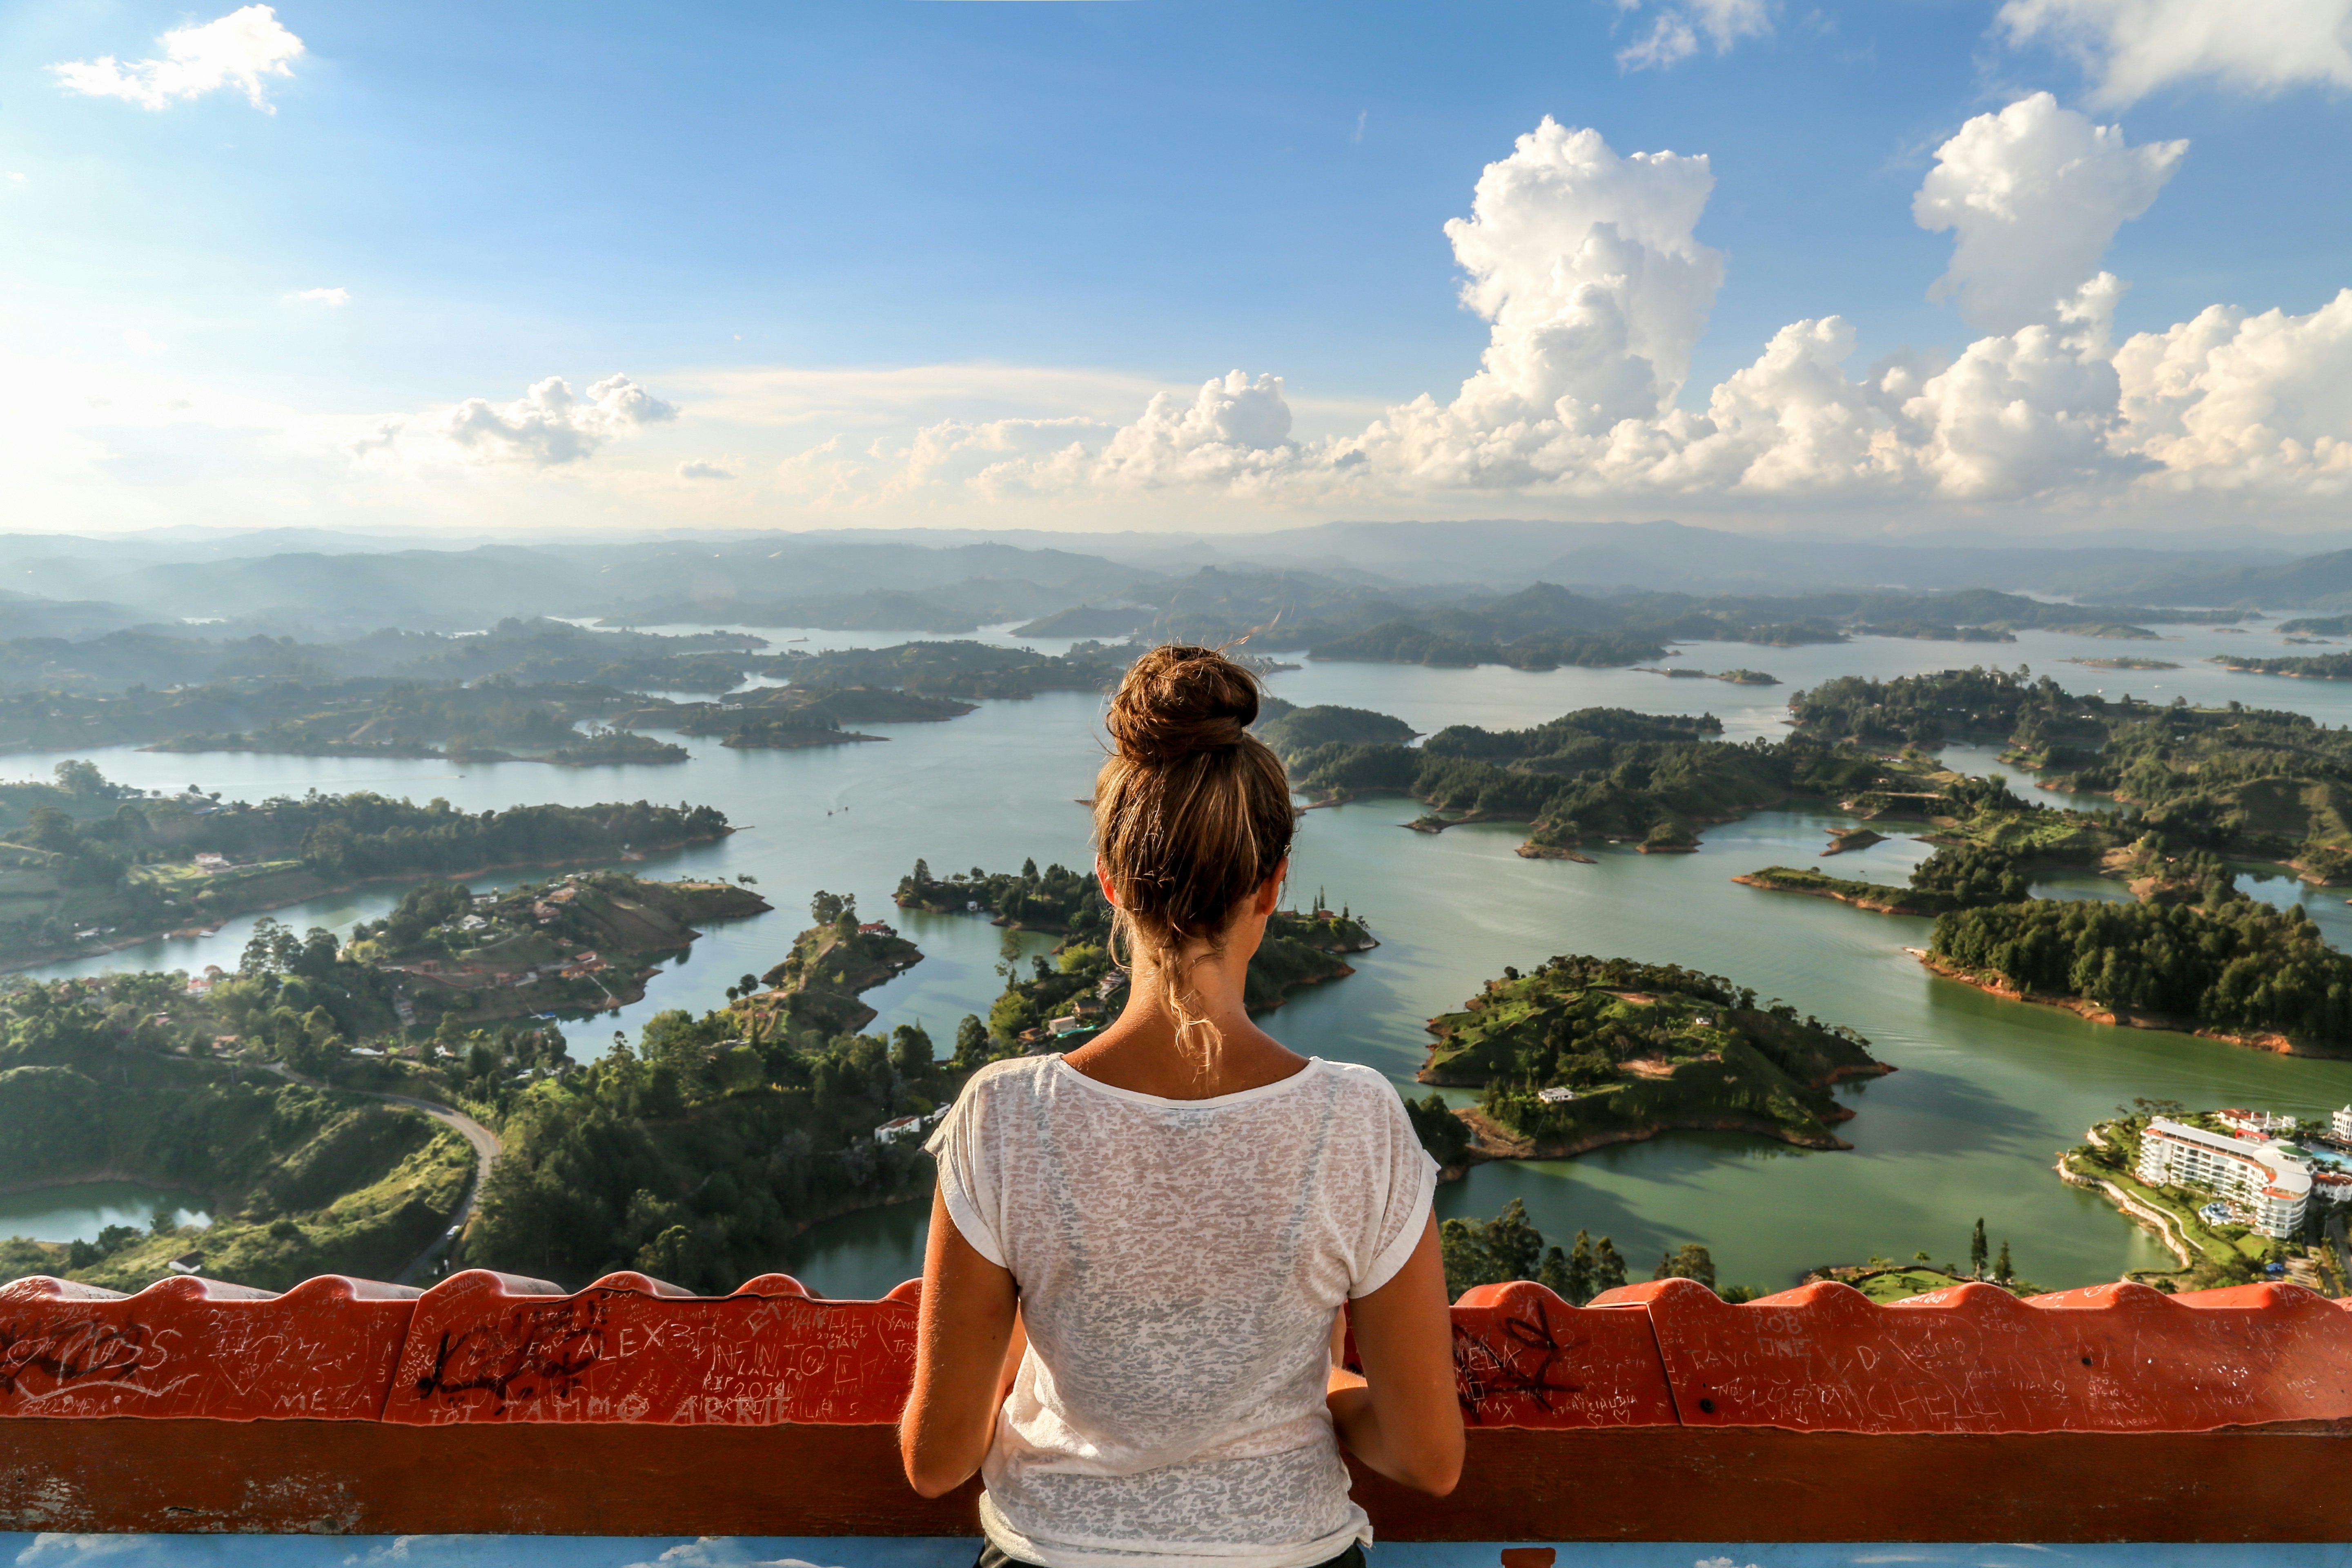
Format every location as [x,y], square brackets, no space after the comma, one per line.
[1220,1052]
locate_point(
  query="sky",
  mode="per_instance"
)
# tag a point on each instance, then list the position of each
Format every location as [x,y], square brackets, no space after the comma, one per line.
[2035,266]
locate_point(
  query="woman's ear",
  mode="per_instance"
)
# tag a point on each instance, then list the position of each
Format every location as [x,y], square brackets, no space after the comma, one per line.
[1270,893]
[1110,894]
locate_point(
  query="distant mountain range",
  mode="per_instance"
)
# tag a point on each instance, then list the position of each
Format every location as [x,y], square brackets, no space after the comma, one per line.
[313,583]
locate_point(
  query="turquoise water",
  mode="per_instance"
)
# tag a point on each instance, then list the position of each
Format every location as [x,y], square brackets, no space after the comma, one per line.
[1987,1092]
[79,1211]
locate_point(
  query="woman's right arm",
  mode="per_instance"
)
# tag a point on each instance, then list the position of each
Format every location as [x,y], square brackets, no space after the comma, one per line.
[1402,1416]
[962,1338]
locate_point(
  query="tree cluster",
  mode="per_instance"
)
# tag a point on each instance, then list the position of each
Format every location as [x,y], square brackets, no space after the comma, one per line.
[2242,966]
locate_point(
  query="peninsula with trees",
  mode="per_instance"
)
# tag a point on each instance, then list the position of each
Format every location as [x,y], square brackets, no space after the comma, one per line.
[86,865]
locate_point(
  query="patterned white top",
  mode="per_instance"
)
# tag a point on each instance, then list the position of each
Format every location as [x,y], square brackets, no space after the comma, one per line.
[1179,1263]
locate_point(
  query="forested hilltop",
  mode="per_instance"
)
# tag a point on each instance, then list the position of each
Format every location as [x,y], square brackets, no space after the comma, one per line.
[91,865]
[1584,1051]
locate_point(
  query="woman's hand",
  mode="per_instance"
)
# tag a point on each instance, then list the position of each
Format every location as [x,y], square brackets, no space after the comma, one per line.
[968,1343]
[1402,1416]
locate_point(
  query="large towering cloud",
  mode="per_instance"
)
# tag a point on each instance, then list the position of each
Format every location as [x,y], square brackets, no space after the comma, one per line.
[1587,266]
[2032,197]
[2131,47]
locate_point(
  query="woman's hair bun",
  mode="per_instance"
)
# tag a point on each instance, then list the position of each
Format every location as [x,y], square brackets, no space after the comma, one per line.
[1178,700]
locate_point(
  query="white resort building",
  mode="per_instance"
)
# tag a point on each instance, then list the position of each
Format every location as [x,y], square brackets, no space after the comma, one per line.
[2268,1180]
[2340,1123]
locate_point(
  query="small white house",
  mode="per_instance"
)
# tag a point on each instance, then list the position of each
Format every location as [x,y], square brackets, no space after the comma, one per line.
[907,1126]
[1558,1094]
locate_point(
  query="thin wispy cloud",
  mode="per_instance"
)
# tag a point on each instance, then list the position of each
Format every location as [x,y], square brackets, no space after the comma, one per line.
[2132,47]
[334,299]
[1676,28]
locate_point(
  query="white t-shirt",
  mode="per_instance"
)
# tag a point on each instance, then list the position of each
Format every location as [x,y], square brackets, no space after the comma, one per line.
[1179,1263]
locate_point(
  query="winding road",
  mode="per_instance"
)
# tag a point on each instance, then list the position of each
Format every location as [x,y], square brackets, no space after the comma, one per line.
[486,1147]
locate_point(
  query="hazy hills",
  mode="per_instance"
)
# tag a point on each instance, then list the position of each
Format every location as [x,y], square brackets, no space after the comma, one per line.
[1343,577]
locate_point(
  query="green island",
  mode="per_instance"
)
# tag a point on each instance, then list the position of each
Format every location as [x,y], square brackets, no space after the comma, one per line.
[1735,676]
[162,684]
[1544,625]
[86,865]
[1954,876]
[2212,1248]
[790,717]
[601,747]
[2320,625]
[962,670]
[2236,971]
[2249,783]
[1293,731]
[1583,1052]
[2124,663]
[2300,666]
[1072,992]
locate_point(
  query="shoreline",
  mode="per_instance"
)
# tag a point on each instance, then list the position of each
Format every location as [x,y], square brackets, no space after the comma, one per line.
[2139,1214]
[2083,1007]
[17,966]
[1875,906]
[1490,1141]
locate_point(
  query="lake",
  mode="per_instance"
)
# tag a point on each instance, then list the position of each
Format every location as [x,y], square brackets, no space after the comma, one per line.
[1986,1094]
[78,1211]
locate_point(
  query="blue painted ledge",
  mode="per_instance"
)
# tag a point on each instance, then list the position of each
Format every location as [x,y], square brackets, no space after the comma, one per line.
[873,1552]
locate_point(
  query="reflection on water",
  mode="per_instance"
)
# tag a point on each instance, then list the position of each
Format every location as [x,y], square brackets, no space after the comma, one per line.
[1988,1091]
[861,1256]
[79,1211]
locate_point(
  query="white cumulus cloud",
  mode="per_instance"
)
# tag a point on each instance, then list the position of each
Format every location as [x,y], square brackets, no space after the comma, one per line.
[236,50]
[697,468]
[331,298]
[2228,400]
[1674,30]
[1587,266]
[547,426]
[2131,47]
[2032,197]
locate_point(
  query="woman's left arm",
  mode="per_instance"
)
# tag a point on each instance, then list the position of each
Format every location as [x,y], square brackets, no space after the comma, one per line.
[963,1340]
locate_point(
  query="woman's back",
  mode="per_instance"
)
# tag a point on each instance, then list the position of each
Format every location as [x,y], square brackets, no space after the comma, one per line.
[1179,1264]
[1175,1211]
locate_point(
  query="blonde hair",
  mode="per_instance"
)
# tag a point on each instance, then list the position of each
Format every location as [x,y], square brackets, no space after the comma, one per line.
[1192,812]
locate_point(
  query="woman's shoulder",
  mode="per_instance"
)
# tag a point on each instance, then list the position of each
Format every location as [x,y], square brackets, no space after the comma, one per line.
[1015,1075]
[1357,1087]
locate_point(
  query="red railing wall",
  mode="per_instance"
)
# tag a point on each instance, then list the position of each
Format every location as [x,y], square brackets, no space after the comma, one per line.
[1659,1411]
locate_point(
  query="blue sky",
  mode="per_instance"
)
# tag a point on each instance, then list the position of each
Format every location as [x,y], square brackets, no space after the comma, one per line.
[791,225]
